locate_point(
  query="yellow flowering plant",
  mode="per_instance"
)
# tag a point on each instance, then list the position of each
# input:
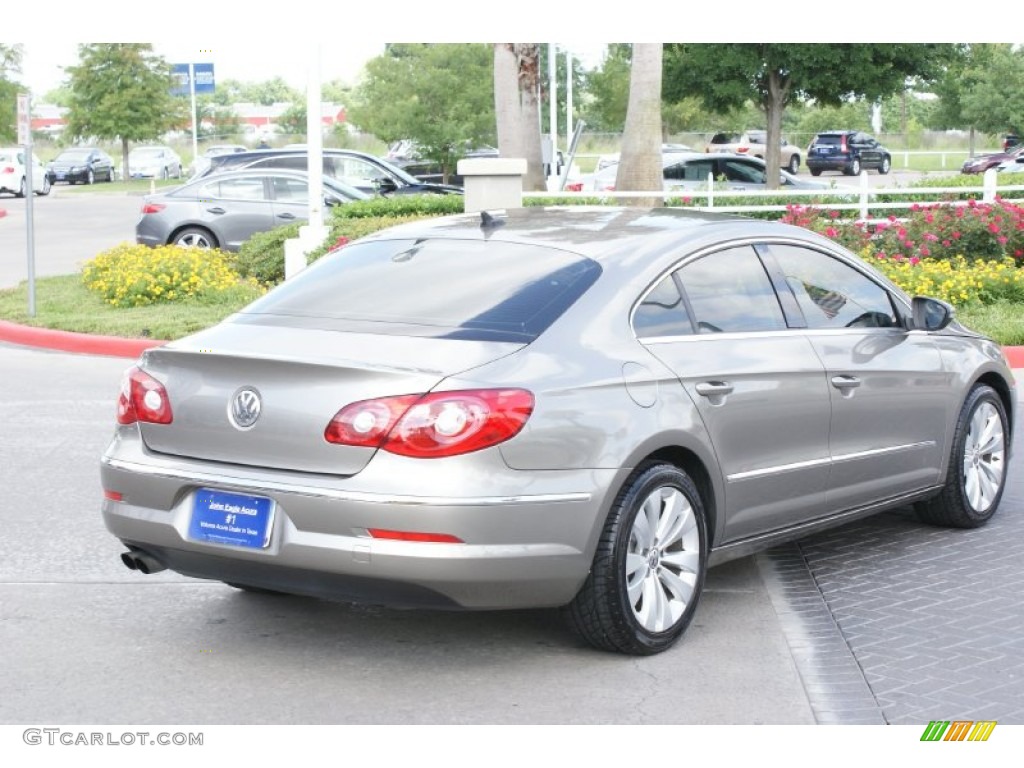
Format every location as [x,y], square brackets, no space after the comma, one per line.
[131,275]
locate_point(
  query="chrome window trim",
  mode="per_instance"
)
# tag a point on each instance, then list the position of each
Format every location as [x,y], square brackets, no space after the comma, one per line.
[265,486]
[893,290]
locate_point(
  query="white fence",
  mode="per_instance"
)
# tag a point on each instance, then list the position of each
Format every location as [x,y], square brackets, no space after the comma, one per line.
[863,198]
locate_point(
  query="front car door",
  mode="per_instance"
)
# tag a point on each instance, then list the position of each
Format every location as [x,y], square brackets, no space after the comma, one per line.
[890,396]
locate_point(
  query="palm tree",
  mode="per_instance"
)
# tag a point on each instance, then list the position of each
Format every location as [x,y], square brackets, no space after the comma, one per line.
[640,164]
[517,109]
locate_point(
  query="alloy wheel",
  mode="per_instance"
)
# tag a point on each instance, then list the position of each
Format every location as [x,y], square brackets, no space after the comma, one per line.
[663,559]
[984,455]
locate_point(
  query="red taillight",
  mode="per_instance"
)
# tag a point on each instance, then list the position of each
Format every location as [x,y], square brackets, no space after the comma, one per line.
[8,169]
[113,495]
[436,538]
[143,398]
[842,144]
[433,425]
[153,207]
[575,186]
[742,150]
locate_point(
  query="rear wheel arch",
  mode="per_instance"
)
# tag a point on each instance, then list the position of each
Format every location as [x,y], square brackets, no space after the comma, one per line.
[697,469]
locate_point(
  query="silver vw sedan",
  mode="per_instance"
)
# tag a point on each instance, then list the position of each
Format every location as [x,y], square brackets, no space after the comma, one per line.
[581,408]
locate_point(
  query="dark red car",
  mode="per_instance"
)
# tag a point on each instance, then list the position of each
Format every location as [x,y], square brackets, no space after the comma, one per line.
[982,163]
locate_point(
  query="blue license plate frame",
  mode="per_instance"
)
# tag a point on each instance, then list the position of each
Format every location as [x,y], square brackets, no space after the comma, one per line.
[231,519]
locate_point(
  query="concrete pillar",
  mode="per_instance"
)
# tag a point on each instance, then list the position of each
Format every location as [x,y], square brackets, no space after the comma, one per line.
[492,183]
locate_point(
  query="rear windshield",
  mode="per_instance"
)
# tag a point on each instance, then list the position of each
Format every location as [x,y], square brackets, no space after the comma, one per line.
[834,141]
[458,289]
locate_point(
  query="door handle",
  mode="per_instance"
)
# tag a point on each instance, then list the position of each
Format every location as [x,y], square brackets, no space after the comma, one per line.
[216,210]
[845,383]
[714,388]
[286,215]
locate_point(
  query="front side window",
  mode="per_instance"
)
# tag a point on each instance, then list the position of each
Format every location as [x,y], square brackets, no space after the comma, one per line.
[730,292]
[832,294]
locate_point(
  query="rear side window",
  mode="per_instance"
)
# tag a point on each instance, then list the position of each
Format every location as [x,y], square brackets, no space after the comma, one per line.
[459,289]
[730,292]
[662,312]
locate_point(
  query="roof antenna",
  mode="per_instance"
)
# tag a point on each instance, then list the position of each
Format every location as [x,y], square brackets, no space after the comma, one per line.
[487,221]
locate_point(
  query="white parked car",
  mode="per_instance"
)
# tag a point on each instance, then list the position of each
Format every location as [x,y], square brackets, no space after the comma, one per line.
[154,163]
[13,177]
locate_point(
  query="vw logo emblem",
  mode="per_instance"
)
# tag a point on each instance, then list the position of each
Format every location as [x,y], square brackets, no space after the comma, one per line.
[244,408]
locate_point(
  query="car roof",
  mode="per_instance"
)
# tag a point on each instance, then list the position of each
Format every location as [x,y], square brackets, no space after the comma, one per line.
[284,172]
[604,233]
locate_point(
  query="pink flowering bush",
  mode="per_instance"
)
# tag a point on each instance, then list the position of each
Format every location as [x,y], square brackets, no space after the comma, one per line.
[941,231]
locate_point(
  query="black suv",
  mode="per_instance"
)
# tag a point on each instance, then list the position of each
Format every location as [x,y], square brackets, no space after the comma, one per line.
[846,151]
[365,172]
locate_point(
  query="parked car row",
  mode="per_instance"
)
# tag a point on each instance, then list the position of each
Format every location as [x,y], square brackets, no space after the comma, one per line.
[755,144]
[684,171]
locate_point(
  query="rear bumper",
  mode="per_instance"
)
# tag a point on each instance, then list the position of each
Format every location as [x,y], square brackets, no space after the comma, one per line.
[528,549]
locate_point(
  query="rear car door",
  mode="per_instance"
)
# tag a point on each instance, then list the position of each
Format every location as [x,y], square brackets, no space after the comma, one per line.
[889,393]
[235,208]
[758,386]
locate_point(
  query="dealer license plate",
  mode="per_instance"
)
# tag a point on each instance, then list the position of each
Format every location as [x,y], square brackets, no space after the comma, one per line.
[234,519]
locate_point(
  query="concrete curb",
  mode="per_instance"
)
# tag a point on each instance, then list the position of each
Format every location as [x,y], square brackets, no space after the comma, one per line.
[82,343]
[115,346]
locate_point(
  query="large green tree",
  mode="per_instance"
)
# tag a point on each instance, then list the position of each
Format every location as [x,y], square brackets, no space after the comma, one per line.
[440,95]
[774,75]
[984,90]
[122,91]
[10,67]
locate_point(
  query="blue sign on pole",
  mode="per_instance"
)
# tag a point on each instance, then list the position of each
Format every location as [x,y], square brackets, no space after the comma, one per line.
[203,74]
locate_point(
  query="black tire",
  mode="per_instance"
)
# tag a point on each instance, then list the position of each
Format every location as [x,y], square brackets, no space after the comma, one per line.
[90,177]
[855,167]
[815,171]
[195,237]
[638,599]
[46,187]
[885,166]
[21,188]
[165,174]
[794,164]
[976,475]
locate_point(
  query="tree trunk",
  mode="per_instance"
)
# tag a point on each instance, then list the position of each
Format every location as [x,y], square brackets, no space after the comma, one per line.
[125,170]
[516,80]
[640,168]
[775,104]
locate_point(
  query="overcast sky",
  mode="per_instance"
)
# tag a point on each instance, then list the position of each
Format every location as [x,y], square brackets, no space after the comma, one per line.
[259,41]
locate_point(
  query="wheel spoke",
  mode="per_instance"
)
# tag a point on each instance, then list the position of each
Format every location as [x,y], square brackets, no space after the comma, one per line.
[684,560]
[972,489]
[680,587]
[673,519]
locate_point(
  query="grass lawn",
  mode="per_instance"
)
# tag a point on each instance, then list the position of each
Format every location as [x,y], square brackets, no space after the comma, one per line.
[131,187]
[63,303]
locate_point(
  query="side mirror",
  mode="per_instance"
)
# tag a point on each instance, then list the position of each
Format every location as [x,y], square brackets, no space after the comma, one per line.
[930,314]
[385,185]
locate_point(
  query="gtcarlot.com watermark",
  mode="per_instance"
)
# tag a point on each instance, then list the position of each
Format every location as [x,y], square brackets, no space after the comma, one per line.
[58,736]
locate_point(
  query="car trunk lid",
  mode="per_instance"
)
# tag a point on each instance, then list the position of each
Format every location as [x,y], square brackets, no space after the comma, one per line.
[301,380]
